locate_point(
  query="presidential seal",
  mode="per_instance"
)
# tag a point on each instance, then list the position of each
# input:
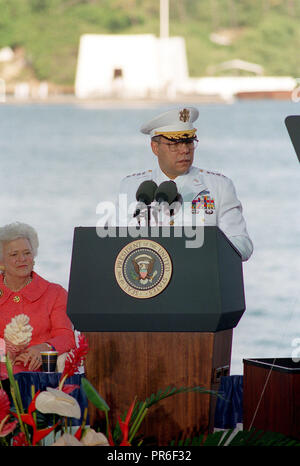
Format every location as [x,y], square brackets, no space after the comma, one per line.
[143,268]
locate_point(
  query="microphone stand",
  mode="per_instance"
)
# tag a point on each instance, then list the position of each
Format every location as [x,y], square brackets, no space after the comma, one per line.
[148,215]
[144,213]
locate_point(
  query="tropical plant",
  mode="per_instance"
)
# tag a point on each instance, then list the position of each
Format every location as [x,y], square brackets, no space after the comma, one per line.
[240,438]
[33,426]
[20,428]
[127,428]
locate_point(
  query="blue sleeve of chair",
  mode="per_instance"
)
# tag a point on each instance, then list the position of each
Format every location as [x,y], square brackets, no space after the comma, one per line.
[229,408]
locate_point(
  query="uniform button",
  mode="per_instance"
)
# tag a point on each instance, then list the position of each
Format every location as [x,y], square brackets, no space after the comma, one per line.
[16,299]
[1,292]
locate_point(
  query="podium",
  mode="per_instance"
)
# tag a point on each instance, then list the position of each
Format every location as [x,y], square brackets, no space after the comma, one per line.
[292,123]
[156,313]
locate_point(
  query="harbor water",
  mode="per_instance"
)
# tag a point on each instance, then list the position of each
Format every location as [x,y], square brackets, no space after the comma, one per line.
[58,161]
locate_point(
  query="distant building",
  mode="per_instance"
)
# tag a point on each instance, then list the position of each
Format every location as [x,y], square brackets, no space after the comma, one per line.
[236,65]
[144,66]
[130,66]
[6,54]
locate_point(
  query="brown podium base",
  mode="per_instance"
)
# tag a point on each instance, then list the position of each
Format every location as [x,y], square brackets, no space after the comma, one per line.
[122,365]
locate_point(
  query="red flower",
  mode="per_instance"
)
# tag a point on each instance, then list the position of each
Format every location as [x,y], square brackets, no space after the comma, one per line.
[69,388]
[75,359]
[20,440]
[5,427]
[109,436]
[4,404]
[78,433]
[27,418]
[124,426]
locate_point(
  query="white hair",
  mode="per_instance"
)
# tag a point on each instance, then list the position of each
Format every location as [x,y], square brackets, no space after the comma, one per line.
[18,230]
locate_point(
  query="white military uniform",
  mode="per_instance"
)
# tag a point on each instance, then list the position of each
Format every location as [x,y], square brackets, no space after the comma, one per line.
[199,189]
[202,191]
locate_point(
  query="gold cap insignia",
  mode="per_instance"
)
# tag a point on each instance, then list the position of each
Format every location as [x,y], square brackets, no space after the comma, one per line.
[184,115]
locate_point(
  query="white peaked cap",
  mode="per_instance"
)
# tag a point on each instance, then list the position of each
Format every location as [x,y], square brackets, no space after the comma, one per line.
[174,124]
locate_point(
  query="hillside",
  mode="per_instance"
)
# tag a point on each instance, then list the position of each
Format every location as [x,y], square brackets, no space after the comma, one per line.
[47,32]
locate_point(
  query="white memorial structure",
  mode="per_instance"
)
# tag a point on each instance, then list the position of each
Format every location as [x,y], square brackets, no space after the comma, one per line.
[130,66]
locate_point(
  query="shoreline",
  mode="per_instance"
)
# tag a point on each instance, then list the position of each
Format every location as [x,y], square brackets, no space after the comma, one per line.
[109,102]
[71,99]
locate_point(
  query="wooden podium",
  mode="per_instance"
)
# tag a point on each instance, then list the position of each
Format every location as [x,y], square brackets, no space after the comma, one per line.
[167,323]
[271,401]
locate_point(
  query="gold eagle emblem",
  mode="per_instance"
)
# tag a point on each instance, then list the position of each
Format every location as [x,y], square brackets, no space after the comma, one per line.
[143,266]
[184,115]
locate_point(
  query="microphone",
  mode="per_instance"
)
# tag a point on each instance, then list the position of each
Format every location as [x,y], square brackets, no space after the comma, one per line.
[166,192]
[145,195]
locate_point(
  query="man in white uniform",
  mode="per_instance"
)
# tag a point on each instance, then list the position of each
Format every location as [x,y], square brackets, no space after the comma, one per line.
[173,141]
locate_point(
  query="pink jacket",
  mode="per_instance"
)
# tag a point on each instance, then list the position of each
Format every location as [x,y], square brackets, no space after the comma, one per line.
[45,304]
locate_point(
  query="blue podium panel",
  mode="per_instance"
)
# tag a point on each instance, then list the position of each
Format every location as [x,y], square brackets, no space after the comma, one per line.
[229,408]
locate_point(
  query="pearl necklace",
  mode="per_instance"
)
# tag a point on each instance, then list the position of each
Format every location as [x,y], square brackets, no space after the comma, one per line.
[29,280]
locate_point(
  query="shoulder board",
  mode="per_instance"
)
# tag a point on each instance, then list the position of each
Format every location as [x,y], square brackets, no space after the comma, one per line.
[139,174]
[209,172]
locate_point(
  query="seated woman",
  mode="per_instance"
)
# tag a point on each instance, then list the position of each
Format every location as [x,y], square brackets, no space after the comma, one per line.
[33,314]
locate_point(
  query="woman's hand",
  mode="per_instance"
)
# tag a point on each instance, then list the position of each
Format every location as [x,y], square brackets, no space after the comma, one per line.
[13,350]
[31,357]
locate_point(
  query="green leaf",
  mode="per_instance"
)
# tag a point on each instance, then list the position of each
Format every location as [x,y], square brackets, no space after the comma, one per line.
[170,391]
[14,386]
[240,438]
[197,441]
[93,396]
[225,438]
[214,440]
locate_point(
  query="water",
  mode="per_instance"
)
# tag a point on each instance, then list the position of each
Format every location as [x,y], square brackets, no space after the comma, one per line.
[59,161]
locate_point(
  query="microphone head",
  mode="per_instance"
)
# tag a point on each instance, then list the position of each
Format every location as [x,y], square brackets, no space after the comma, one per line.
[145,192]
[166,192]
